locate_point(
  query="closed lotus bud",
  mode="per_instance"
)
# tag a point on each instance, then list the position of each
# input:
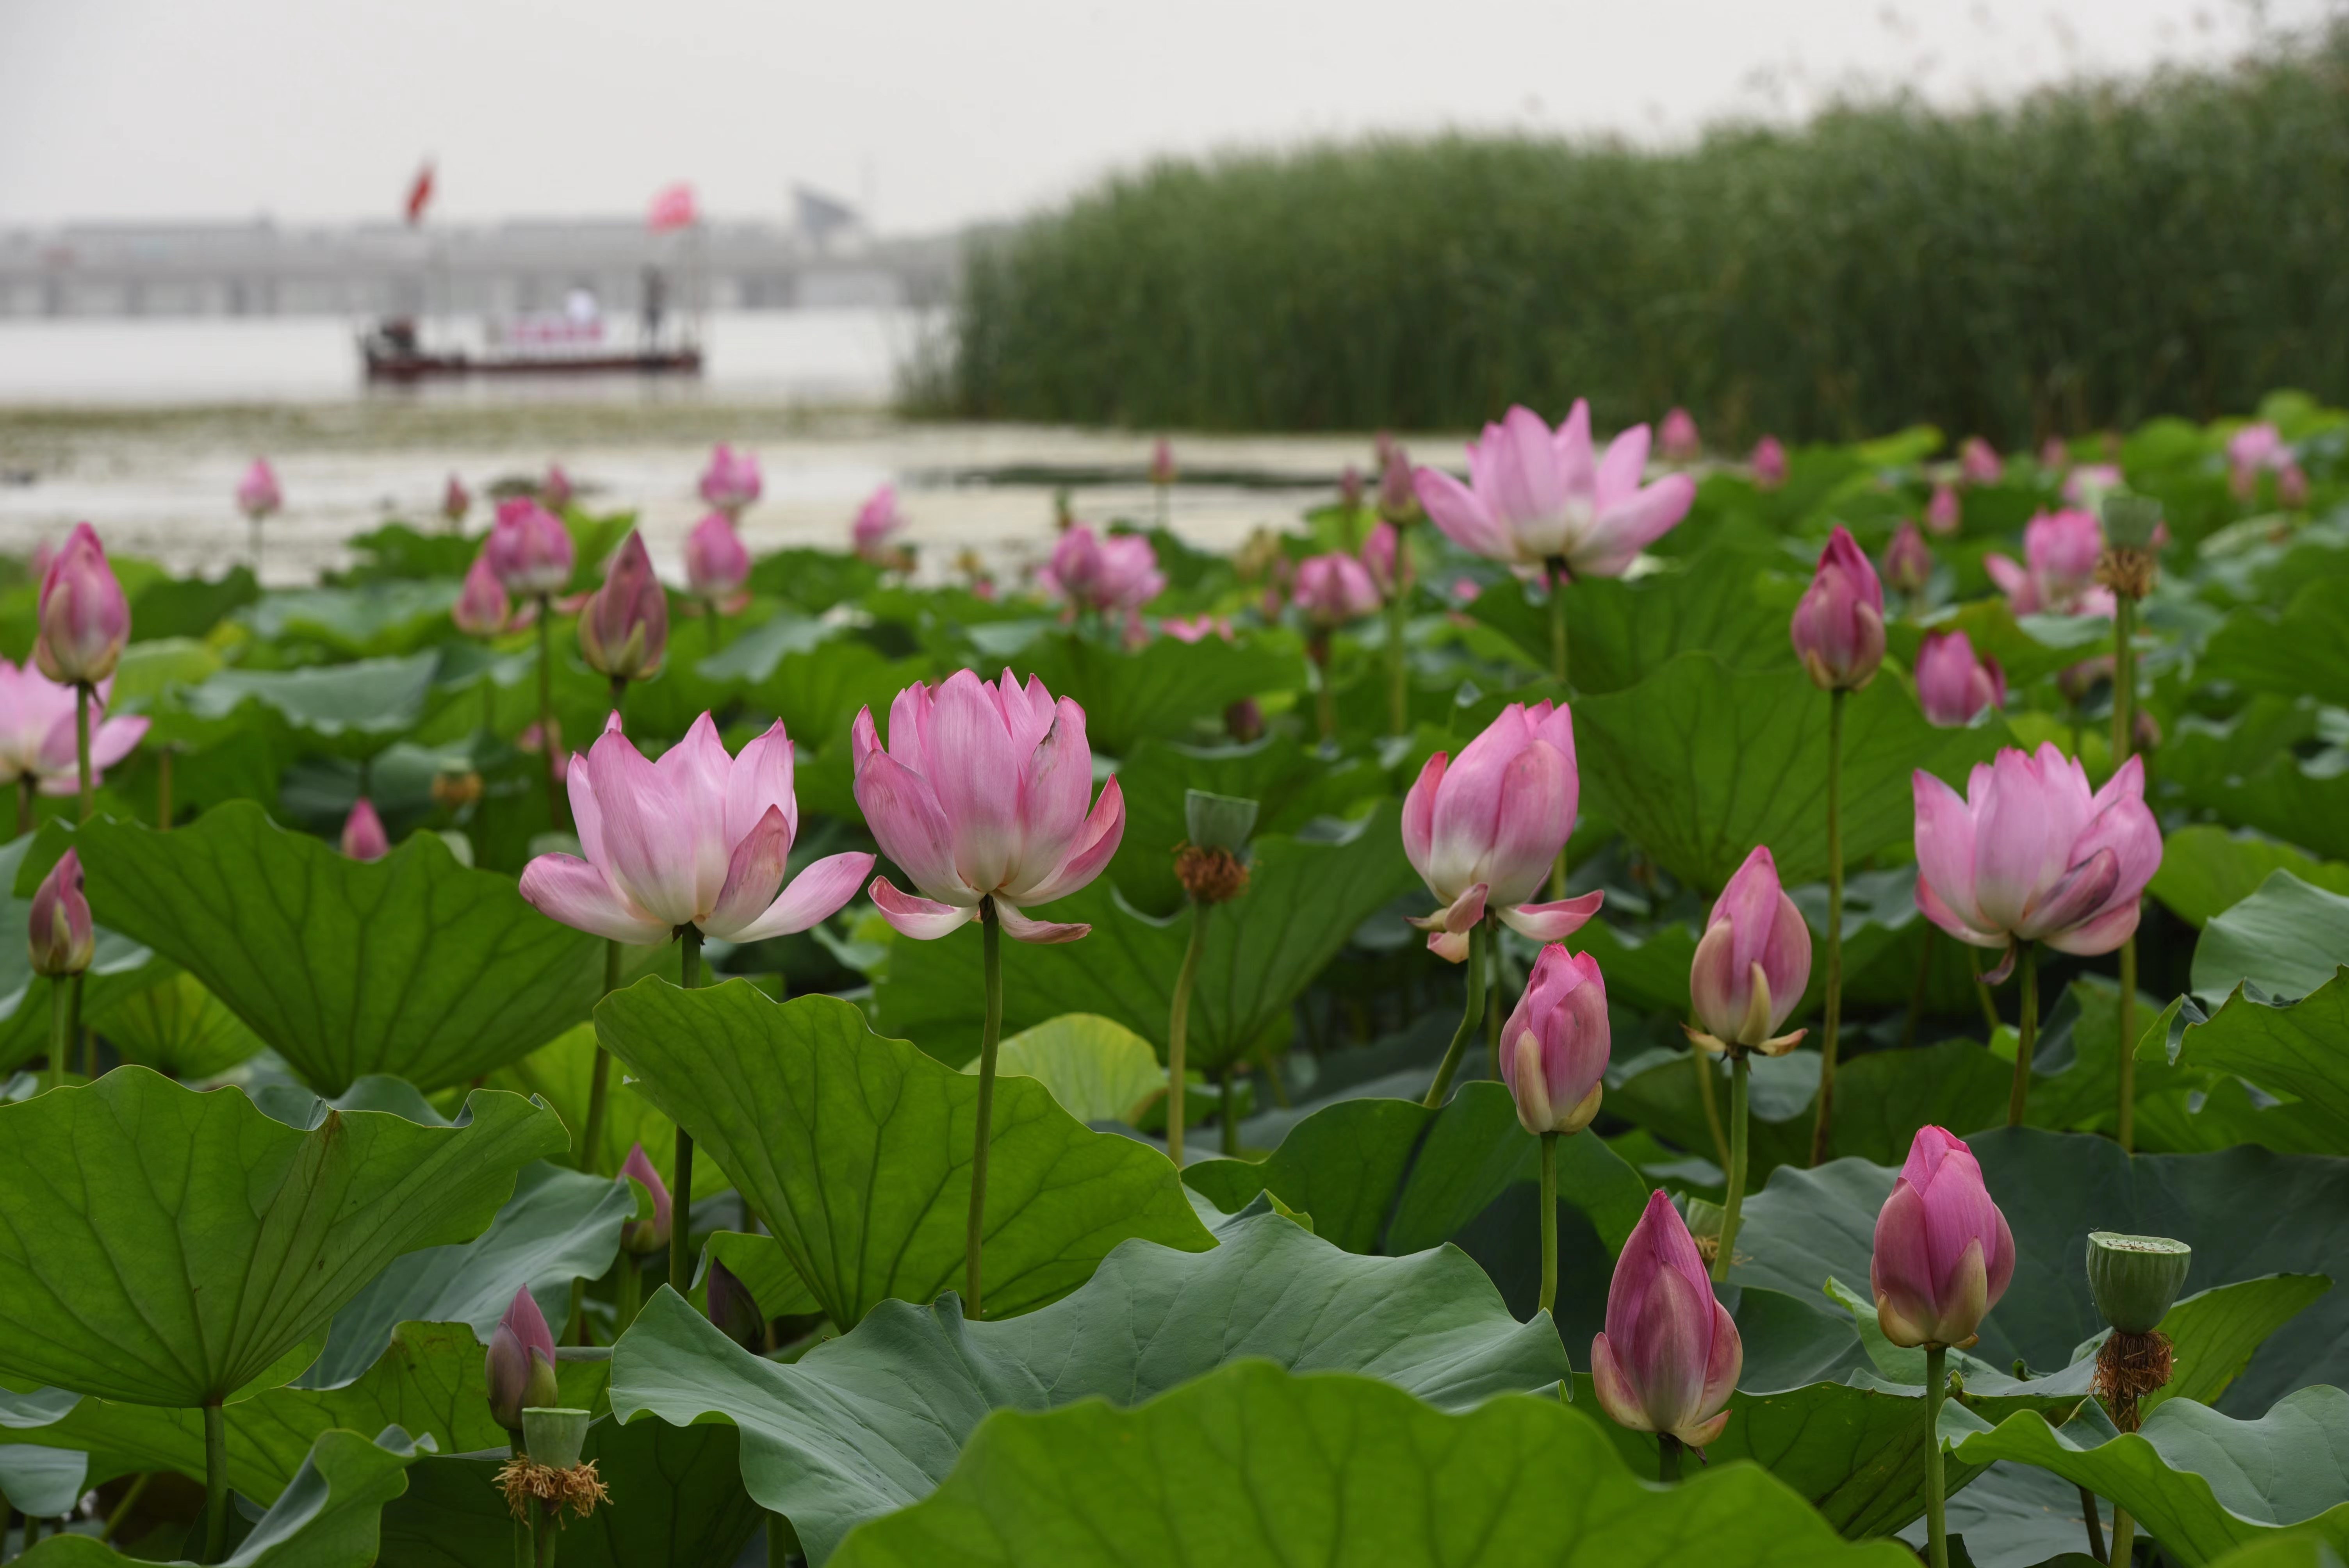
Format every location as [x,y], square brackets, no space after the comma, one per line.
[1556,1043]
[61,934]
[1381,553]
[84,620]
[1943,513]
[2291,485]
[555,489]
[1769,462]
[456,501]
[1334,589]
[1162,463]
[1908,561]
[646,1235]
[1979,461]
[1678,438]
[1350,487]
[363,835]
[717,564]
[1244,721]
[733,1309]
[520,1363]
[483,608]
[1752,965]
[624,627]
[1839,627]
[529,549]
[257,495]
[2054,455]
[1671,1354]
[1398,489]
[2135,1278]
[1943,1253]
[732,482]
[1953,687]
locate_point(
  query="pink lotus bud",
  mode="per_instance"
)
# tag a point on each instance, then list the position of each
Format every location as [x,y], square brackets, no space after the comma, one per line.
[1953,687]
[1943,1253]
[733,1309]
[529,549]
[482,609]
[2054,455]
[520,1363]
[61,934]
[1839,627]
[84,620]
[1481,832]
[1753,964]
[1554,1043]
[1398,487]
[981,796]
[363,835]
[1334,589]
[1162,463]
[1380,555]
[2252,450]
[2292,486]
[1669,1357]
[1908,561]
[646,1235]
[533,740]
[2031,855]
[1979,462]
[1535,496]
[2062,549]
[717,563]
[555,489]
[1769,462]
[257,495]
[878,521]
[1244,721]
[624,627]
[1111,574]
[1678,438]
[732,482]
[456,501]
[1350,487]
[1942,513]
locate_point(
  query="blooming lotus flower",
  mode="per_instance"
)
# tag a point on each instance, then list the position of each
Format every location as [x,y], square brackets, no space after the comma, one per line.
[257,495]
[2031,855]
[1555,1044]
[878,521]
[1943,1252]
[483,608]
[1907,560]
[717,564]
[647,1235]
[85,621]
[1196,628]
[2252,450]
[363,835]
[1535,496]
[623,625]
[555,489]
[1979,462]
[1753,964]
[520,1363]
[1678,438]
[1839,627]
[1162,462]
[1669,1357]
[1482,831]
[37,731]
[1769,462]
[529,549]
[732,482]
[1953,687]
[980,796]
[1942,513]
[697,838]
[456,501]
[2062,548]
[60,932]
[1334,589]
[1105,575]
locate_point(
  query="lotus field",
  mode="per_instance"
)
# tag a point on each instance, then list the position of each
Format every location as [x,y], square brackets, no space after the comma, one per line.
[1588,1001]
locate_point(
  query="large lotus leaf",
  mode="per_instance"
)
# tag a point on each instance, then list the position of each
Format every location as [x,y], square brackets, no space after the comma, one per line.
[814,579]
[119,965]
[380,618]
[175,1026]
[1164,687]
[43,1483]
[2261,650]
[872,1421]
[1699,763]
[353,710]
[2202,1484]
[1253,1465]
[1305,898]
[399,551]
[1392,1176]
[2206,869]
[2302,1050]
[175,607]
[2285,941]
[752,656]
[2229,1111]
[855,1150]
[563,1073]
[2241,776]
[817,694]
[172,1247]
[1098,1070]
[412,965]
[764,1269]
[2246,1213]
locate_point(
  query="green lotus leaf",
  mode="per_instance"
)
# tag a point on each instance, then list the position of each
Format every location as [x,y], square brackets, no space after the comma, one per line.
[1098,1070]
[2303,650]
[562,1072]
[2297,1050]
[2206,869]
[764,1269]
[2285,941]
[2250,775]
[375,620]
[814,579]
[854,1149]
[410,965]
[173,1247]
[1160,688]
[833,1441]
[175,607]
[2027,650]
[352,710]
[175,1026]
[43,1483]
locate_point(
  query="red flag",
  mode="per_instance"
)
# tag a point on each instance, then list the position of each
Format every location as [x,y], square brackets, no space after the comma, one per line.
[673,208]
[420,194]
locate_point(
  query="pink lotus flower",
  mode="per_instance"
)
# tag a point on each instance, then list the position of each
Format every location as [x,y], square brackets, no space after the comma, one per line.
[363,835]
[1555,1044]
[697,838]
[1769,462]
[1350,487]
[1535,496]
[2031,855]
[1839,627]
[2054,455]
[555,489]
[1119,573]
[1752,965]
[2252,450]
[718,563]
[2087,485]
[1907,560]
[647,1235]
[529,549]
[1162,462]
[1398,489]
[979,798]
[37,731]
[2292,486]
[483,608]
[623,625]
[60,932]
[1669,1359]
[1979,462]
[1197,628]
[520,1363]
[1379,552]
[257,495]
[1943,1253]
[1943,513]
[1334,589]
[732,482]
[85,621]
[1678,438]
[456,501]
[878,521]
[533,740]
[1481,832]
[1953,687]
[2062,548]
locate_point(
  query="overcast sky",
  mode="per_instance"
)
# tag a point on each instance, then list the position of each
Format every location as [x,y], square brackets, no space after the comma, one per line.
[935,111]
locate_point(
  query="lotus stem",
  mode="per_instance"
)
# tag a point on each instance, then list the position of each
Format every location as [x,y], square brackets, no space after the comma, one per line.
[60,1029]
[1325,701]
[24,806]
[1492,1007]
[2124,1535]
[1937,1535]
[628,1294]
[991,934]
[81,746]
[2026,1036]
[710,617]
[1668,1457]
[2096,1525]
[1228,1126]
[1988,1002]
[1916,986]
[1834,1024]
[1726,1249]
[1469,1017]
[215,1481]
[2124,741]
[1178,1030]
[122,1509]
[254,528]
[1557,581]
[1398,664]
[1703,1064]
[546,707]
[680,1247]
[781,1539]
[1548,1218]
[599,1078]
[77,1035]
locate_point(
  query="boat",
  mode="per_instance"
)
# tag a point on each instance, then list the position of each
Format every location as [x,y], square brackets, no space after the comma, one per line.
[394,350]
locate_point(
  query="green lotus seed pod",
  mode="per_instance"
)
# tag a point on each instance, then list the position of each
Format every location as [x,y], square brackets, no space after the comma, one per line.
[1218,821]
[2130,519]
[2134,1278]
[553,1436]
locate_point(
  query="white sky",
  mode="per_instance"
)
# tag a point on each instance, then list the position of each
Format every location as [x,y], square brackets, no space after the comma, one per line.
[936,111]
